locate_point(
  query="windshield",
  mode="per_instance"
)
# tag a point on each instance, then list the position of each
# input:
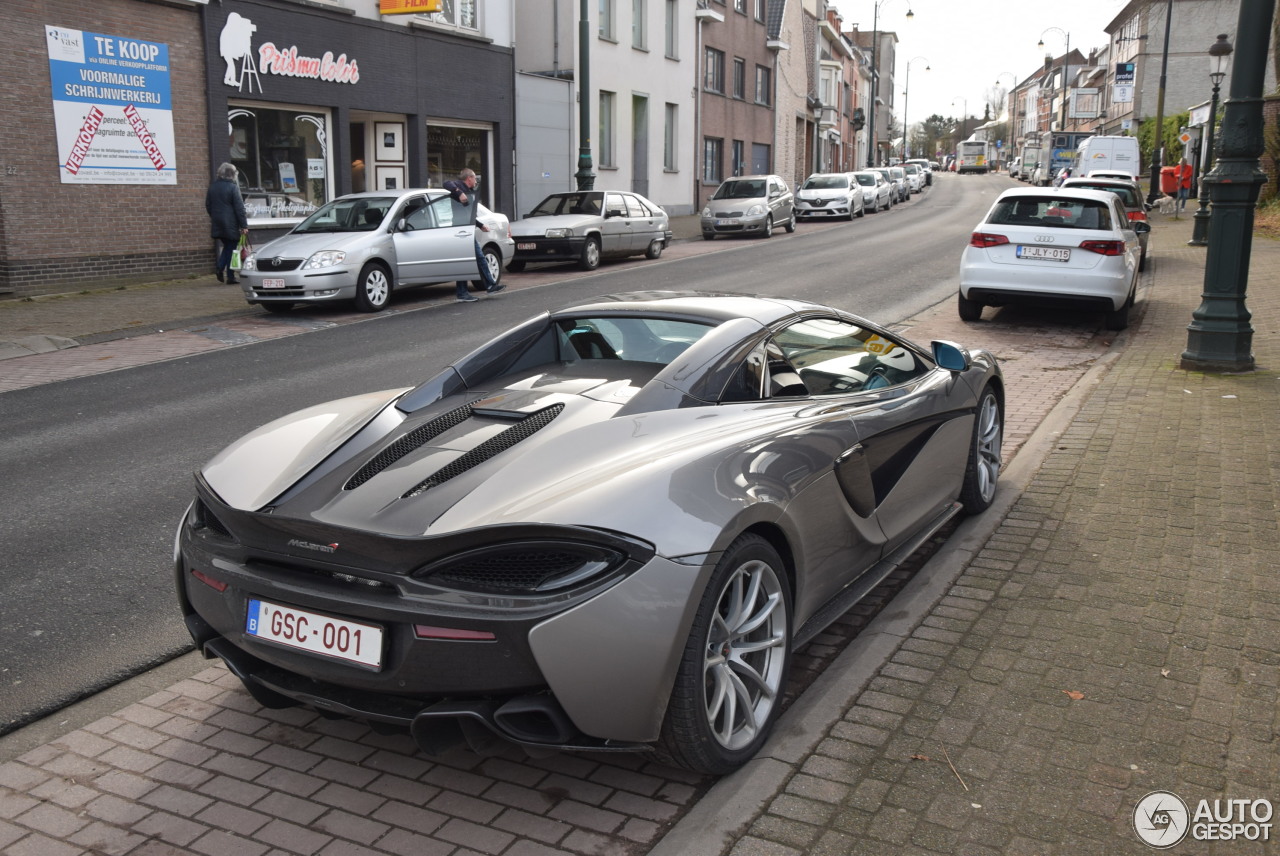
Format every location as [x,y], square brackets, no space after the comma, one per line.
[590,202]
[1051,211]
[741,189]
[866,180]
[826,182]
[1127,195]
[349,214]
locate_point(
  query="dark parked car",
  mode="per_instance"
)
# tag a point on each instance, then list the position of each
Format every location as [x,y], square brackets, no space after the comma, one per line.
[606,529]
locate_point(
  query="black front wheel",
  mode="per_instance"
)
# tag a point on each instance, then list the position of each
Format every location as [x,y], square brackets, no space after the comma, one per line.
[373,288]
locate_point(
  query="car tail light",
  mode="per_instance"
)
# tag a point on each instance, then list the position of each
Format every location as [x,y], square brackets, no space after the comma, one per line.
[1137,215]
[212,582]
[1104,248]
[985,239]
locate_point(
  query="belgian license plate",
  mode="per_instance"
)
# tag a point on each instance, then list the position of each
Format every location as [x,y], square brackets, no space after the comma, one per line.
[526,246]
[1050,254]
[727,222]
[272,283]
[314,633]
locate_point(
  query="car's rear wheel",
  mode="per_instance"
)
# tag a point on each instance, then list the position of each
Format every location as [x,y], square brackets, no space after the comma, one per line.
[729,684]
[791,224]
[983,469]
[768,227]
[590,259]
[493,259]
[1118,319]
[654,249]
[1142,261]
[373,288]
[970,310]
[277,308]
[515,265]
[862,212]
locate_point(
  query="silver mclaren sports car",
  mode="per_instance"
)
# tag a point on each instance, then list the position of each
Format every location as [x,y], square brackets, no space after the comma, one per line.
[606,529]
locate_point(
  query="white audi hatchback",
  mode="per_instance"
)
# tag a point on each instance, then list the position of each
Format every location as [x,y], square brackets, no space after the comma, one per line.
[1053,247]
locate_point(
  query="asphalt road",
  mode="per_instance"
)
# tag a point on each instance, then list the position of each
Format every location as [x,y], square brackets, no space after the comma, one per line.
[97,471]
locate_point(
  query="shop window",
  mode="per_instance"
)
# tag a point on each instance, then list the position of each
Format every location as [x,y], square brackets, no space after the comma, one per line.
[451,149]
[283,160]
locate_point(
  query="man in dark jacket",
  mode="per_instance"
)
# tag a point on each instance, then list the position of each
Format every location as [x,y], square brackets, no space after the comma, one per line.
[465,205]
[226,217]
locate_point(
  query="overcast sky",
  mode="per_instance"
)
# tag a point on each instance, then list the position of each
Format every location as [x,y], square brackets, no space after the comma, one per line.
[967,45]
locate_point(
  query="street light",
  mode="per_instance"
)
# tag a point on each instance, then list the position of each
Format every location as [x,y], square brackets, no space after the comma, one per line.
[1220,337]
[1219,51]
[906,95]
[875,75]
[1065,60]
[585,176]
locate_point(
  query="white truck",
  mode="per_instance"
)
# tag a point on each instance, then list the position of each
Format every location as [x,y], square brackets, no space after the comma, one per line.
[973,156]
[1112,154]
[1030,160]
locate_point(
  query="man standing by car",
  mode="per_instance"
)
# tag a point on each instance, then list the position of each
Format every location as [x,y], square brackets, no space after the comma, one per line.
[465,205]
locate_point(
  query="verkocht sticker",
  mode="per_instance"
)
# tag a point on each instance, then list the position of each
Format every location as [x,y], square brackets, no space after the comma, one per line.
[111,108]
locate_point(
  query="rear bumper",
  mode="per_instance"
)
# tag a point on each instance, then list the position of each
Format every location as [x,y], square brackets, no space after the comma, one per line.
[1005,284]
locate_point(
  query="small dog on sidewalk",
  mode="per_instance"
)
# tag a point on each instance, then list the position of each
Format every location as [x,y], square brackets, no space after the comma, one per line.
[1167,204]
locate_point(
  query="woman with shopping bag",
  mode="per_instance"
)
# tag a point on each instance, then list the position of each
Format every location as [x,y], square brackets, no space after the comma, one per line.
[227,219]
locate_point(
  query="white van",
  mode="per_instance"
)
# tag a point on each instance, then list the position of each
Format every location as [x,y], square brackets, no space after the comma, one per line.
[1113,154]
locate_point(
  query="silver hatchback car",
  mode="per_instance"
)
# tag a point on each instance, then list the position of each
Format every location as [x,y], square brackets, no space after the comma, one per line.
[749,205]
[364,246]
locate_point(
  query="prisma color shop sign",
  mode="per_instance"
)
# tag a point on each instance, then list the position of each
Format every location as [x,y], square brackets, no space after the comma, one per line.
[111,108]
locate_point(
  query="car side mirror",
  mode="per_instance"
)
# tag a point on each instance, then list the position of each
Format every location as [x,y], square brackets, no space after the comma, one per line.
[950,356]
[402,225]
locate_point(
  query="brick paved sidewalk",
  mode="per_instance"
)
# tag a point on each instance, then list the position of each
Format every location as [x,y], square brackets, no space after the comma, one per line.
[1118,634]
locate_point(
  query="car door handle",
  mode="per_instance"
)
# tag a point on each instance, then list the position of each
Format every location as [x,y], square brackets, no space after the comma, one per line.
[850,453]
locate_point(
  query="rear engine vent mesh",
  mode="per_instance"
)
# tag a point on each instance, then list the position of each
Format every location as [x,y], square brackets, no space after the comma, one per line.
[205,519]
[510,571]
[522,430]
[406,444]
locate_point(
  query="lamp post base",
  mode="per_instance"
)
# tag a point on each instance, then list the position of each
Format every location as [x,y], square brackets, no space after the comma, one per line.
[1200,228]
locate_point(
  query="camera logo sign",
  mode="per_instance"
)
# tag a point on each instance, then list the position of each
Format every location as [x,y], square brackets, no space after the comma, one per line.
[1160,819]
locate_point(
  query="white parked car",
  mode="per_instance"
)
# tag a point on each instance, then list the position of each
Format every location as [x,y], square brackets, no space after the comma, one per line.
[1053,247]
[828,196]
[877,192]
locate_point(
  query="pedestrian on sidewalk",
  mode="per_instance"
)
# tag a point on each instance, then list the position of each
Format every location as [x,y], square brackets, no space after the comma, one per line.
[1183,172]
[227,219]
[465,205]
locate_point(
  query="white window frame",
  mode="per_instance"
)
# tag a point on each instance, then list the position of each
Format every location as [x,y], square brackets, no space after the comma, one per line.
[640,24]
[449,16]
[329,193]
[671,138]
[608,21]
[673,29]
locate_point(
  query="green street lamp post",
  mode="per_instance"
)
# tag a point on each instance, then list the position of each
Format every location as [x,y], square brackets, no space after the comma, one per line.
[1219,337]
[585,176]
[1218,53]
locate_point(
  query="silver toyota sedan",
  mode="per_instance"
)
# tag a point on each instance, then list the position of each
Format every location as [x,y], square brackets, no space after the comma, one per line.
[363,246]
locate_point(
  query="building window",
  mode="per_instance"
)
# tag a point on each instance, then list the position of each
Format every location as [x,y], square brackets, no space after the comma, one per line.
[670,136]
[739,158]
[606,128]
[712,160]
[764,85]
[275,151]
[606,20]
[461,14]
[739,77]
[673,29]
[761,10]
[639,24]
[713,80]
[453,148]
[740,6]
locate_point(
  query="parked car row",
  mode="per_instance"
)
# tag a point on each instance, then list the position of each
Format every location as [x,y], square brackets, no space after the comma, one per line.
[363,246]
